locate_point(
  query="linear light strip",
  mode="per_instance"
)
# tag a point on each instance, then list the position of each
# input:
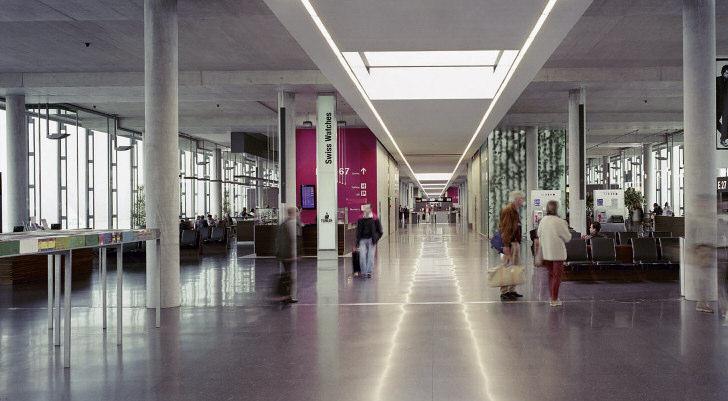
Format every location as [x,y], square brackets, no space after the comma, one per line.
[521,53]
[330,41]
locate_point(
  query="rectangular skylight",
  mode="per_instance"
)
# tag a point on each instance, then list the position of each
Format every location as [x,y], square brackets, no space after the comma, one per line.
[475,58]
[433,176]
[431,75]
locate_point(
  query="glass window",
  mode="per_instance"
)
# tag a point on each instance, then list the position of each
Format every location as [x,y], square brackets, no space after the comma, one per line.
[101,180]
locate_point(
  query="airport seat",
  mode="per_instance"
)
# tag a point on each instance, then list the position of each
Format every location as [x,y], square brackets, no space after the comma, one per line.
[603,251]
[217,234]
[610,234]
[644,252]
[623,238]
[670,250]
[577,254]
[204,234]
[188,239]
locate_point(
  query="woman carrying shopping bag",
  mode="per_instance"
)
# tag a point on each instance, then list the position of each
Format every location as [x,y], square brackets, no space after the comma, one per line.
[509,227]
[553,234]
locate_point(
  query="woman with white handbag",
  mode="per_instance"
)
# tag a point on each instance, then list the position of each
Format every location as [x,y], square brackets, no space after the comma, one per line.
[553,234]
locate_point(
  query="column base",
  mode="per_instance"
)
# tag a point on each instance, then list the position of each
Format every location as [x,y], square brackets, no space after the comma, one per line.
[327,254]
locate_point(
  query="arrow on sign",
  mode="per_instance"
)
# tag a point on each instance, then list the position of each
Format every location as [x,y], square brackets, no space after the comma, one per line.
[363,171]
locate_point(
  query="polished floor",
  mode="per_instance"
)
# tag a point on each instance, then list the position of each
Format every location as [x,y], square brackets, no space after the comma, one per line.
[425,327]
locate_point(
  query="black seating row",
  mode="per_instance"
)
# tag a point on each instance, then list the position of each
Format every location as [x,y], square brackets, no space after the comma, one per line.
[624,237]
[663,251]
[193,238]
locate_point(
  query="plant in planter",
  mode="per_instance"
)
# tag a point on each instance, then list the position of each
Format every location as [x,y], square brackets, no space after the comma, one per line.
[633,198]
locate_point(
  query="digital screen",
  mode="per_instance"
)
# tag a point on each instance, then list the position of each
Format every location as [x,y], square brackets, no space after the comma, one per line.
[308,197]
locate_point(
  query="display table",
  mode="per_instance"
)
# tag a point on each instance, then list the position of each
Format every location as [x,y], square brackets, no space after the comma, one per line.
[61,244]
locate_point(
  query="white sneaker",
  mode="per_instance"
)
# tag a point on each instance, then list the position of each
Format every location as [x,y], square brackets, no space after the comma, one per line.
[555,303]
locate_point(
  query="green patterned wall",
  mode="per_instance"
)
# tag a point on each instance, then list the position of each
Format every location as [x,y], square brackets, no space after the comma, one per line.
[507,171]
[551,159]
[484,188]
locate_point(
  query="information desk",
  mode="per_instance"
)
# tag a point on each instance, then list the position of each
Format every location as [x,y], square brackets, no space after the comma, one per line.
[61,244]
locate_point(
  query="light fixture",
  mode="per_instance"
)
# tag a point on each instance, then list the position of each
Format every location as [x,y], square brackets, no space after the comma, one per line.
[521,53]
[341,123]
[417,75]
[433,176]
[61,134]
[308,124]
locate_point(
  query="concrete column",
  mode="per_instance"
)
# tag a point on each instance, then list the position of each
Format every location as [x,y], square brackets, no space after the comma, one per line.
[286,152]
[648,172]
[161,145]
[699,122]
[16,181]
[216,185]
[531,170]
[577,157]
[605,172]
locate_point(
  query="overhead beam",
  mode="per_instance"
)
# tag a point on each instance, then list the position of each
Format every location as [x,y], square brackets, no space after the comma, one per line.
[606,74]
[559,119]
[136,79]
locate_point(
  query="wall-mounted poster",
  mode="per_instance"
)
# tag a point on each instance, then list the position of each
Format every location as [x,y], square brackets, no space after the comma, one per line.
[609,205]
[537,205]
[721,100]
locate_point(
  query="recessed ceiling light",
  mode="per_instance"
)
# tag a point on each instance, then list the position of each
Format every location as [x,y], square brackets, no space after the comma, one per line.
[477,58]
[433,176]
[431,75]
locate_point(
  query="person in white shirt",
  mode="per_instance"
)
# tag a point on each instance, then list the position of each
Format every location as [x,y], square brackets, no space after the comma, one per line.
[667,211]
[553,234]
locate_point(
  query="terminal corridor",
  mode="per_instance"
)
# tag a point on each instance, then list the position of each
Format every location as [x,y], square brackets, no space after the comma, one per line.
[425,327]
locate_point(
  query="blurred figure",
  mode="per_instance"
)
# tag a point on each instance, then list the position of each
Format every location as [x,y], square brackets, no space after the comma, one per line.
[656,209]
[368,232]
[637,216]
[287,254]
[594,231]
[210,221]
[553,234]
[510,231]
[668,210]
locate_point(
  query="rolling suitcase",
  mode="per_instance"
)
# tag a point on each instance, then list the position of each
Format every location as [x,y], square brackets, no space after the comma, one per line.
[355,262]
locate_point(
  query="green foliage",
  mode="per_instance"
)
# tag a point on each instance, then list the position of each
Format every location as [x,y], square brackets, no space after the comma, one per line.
[138,209]
[507,165]
[551,160]
[633,198]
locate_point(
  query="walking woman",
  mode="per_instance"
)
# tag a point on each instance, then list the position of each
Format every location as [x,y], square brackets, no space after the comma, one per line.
[553,234]
[509,226]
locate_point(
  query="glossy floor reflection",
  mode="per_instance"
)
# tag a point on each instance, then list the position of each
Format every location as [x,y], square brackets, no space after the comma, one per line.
[426,327]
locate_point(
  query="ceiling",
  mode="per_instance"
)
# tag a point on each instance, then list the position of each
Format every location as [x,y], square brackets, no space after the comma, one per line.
[433,135]
[627,54]
[234,57]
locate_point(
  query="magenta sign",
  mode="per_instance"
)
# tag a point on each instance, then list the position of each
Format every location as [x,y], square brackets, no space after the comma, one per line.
[357,170]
